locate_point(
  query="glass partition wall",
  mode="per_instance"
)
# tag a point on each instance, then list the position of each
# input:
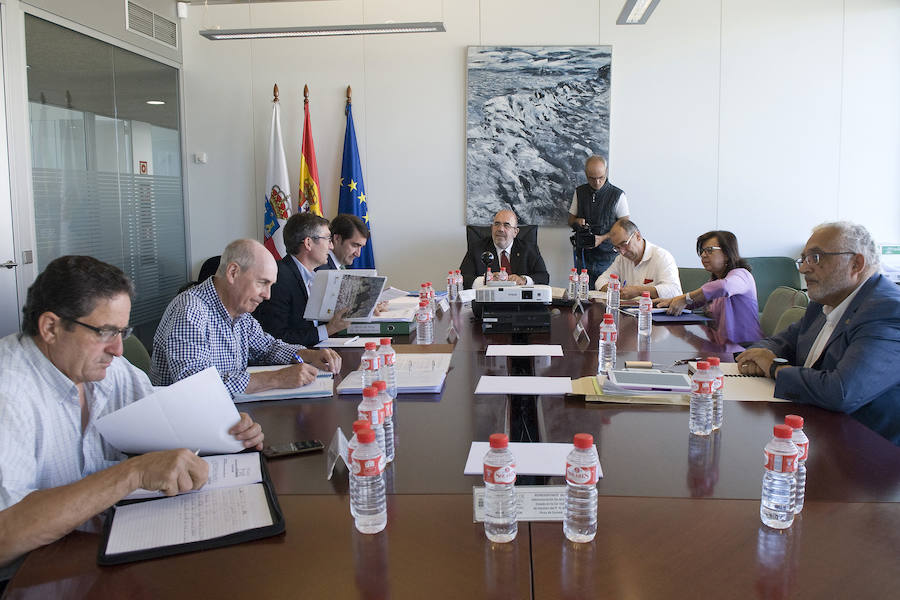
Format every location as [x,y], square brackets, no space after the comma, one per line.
[106,162]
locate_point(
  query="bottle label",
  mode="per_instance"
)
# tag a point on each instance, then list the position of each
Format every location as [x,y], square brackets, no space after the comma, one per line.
[804,450]
[702,387]
[718,383]
[781,463]
[581,475]
[609,336]
[374,417]
[505,474]
[370,364]
[422,316]
[390,358]
[368,467]
[645,306]
[388,408]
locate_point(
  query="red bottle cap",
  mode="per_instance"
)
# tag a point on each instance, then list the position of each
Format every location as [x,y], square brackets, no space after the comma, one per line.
[427,284]
[608,318]
[385,341]
[613,276]
[361,424]
[449,272]
[583,440]
[365,436]
[574,270]
[702,365]
[783,432]
[424,285]
[499,440]
[503,269]
[584,270]
[423,303]
[370,345]
[645,294]
[713,361]
[794,421]
[379,385]
[370,392]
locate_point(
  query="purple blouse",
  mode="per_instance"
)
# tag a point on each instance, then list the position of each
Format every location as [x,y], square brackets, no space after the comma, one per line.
[732,303]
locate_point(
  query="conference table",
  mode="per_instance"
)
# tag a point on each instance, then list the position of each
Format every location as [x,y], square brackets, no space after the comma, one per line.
[678,514]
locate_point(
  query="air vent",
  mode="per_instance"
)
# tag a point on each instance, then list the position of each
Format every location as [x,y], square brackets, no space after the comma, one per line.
[148,23]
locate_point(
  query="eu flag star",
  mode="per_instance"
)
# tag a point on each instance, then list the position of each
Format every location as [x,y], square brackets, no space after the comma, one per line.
[362,198]
[352,186]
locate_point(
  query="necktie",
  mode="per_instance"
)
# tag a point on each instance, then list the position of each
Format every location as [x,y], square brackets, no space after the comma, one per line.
[504,261]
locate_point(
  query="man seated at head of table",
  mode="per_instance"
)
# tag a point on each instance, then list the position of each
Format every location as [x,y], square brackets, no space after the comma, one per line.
[57,378]
[843,354]
[210,325]
[524,263]
[308,241]
[640,265]
[349,235]
[730,293]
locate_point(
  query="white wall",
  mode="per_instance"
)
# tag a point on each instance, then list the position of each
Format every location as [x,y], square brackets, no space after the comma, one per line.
[757,116]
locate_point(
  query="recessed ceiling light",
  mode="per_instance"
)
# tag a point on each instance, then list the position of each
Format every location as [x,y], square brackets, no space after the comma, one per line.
[155,102]
[636,12]
[325,30]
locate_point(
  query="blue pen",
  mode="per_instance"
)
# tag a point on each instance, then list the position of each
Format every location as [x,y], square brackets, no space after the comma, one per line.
[298,359]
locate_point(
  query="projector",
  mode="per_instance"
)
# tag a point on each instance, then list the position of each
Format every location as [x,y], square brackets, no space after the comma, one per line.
[537,294]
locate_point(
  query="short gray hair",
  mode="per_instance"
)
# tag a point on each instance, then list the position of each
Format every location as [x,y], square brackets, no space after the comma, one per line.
[855,238]
[240,252]
[596,157]
[627,225]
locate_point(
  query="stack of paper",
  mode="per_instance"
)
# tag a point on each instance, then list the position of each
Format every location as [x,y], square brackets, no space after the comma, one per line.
[416,373]
[321,387]
[596,388]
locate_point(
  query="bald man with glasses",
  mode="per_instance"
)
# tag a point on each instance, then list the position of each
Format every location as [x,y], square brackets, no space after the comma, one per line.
[640,265]
[842,354]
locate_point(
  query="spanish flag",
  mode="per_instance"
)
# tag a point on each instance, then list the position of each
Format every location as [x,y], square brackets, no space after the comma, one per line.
[310,197]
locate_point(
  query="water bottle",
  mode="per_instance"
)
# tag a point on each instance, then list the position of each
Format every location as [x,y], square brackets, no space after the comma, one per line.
[573,284]
[645,318]
[388,403]
[503,275]
[424,324]
[606,361]
[613,291]
[371,409]
[370,365]
[718,392]
[584,283]
[452,290]
[431,303]
[388,359]
[488,276]
[370,503]
[701,400]
[352,445]
[459,282]
[500,510]
[795,422]
[776,508]
[580,520]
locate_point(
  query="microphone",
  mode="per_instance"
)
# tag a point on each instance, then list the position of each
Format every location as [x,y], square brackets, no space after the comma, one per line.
[487,258]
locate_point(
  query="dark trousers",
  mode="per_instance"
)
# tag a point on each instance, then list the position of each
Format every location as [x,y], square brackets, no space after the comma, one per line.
[595,260]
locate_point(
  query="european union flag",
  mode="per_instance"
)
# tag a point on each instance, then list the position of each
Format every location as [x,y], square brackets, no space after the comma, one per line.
[353,193]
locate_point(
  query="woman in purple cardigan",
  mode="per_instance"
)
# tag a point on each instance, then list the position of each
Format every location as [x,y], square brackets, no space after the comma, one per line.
[729,295]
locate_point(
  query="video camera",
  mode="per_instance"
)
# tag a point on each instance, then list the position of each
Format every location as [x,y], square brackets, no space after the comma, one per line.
[583,238]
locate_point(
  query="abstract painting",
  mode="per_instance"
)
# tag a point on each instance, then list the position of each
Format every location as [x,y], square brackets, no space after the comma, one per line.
[534,114]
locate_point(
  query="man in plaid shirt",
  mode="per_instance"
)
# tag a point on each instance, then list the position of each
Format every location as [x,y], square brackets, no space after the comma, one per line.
[210,325]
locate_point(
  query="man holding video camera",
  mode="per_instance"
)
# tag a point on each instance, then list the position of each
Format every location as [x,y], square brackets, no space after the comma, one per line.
[596,205]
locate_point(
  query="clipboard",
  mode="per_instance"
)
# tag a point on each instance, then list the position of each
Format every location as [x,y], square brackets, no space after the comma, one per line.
[276,528]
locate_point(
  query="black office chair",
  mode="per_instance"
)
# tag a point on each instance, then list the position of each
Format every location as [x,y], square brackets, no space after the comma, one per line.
[207,270]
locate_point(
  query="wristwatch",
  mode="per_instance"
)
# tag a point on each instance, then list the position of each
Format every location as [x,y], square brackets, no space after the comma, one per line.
[777,362]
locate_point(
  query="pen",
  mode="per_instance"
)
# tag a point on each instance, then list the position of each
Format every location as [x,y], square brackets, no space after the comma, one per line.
[197,452]
[298,359]
[351,340]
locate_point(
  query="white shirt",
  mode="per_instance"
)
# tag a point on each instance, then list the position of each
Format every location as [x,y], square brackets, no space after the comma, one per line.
[308,278]
[338,264]
[479,281]
[832,318]
[657,268]
[621,206]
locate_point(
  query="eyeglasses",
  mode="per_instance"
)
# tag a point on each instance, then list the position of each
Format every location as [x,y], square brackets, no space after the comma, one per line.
[707,250]
[623,245]
[321,237]
[105,334]
[500,225]
[815,257]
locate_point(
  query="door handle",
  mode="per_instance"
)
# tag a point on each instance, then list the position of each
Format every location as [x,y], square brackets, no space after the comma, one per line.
[9,264]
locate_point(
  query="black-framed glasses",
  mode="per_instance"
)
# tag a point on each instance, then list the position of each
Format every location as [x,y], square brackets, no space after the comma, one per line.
[707,250]
[815,257]
[105,334]
[620,247]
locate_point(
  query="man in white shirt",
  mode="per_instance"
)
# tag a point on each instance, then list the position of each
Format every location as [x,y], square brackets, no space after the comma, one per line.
[640,265]
[57,378]
[842,354]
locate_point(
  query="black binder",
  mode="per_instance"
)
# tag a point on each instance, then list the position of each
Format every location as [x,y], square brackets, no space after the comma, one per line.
[277,527]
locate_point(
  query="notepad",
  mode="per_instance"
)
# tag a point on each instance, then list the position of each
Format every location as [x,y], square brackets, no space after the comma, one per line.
[416,373]
[321,387]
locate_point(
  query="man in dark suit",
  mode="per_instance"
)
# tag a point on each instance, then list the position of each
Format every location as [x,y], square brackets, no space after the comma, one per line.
[308,242]
[349,235]
[842,355]
[523,262]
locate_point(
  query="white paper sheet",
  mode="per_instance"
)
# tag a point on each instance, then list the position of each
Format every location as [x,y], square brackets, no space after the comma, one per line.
[391,293]
[536,386]
[225,470]
[532,458]
[466,295]
[188,518]
[424,373]
[545,503]
[524,350]
[194,413]
[350,342]
[321,387]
